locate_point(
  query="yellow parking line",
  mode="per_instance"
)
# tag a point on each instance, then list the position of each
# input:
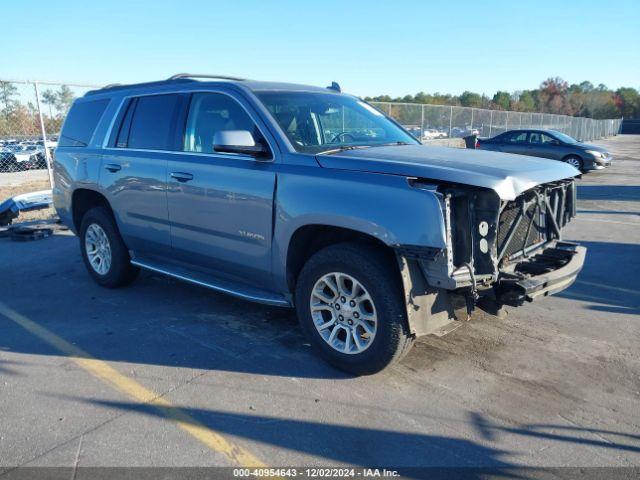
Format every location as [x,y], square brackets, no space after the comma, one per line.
[133,389]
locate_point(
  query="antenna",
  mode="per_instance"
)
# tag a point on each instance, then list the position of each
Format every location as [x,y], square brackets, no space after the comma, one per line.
[335,86]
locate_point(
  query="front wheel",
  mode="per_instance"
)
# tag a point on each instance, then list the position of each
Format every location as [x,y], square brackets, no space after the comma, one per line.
[350,305]
[574,161]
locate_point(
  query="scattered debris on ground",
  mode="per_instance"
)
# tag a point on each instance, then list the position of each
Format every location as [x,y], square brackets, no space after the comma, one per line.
[12,207]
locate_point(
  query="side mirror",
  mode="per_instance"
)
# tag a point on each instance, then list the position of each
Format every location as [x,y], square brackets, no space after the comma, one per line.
[237,141]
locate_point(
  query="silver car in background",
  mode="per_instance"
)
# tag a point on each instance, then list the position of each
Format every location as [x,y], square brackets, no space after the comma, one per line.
[549,144]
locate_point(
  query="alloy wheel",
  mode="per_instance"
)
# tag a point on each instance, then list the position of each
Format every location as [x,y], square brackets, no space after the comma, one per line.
[343,313]
[98,248]
[574,162]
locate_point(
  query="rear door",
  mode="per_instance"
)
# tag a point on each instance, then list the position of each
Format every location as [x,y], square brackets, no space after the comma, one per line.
[134,170]
[514,142]
[221,204]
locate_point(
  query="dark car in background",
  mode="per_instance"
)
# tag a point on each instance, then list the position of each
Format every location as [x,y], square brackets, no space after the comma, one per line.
[549,144]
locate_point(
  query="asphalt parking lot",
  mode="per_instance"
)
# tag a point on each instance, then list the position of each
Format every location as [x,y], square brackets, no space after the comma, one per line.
[167,374]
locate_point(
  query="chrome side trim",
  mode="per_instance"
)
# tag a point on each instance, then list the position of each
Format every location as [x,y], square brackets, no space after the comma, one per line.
[123,100]
[237,156]
[235,293]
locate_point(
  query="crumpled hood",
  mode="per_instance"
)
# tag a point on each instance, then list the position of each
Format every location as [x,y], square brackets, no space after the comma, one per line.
[507,174]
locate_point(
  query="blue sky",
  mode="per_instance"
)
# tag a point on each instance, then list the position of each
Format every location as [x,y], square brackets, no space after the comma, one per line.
[369,47]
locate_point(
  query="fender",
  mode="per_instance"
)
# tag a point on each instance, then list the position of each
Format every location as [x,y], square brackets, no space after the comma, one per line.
[383,206]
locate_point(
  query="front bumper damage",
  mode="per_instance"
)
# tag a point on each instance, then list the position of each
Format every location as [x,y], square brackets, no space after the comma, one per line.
[550,271]
[496,253]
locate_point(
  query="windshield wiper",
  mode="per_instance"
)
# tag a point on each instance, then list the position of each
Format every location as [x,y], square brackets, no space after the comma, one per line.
[343,148]
[358,147]
[391,144]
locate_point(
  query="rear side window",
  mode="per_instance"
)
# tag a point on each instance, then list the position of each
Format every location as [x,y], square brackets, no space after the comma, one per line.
[517,137]
[81,122]
[152,123]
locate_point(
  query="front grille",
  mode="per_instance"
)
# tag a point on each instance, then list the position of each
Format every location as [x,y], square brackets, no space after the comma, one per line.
[529,219]
[530,229]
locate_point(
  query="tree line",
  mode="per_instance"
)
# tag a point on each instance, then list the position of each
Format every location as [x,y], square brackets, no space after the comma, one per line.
[21,119]
[553,96]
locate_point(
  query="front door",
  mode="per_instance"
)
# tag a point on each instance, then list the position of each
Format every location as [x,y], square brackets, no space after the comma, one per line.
[220,204]
[543,145]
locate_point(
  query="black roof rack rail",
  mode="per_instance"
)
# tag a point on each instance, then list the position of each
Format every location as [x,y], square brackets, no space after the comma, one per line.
[178,76]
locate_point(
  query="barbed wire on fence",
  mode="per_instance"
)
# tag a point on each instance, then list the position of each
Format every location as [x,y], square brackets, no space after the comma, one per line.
[32,113]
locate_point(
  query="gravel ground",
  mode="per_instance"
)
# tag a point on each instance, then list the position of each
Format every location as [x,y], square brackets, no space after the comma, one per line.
[555,383]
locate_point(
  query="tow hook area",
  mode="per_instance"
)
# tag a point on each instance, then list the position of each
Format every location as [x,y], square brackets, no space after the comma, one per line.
[546,273]
[471,295]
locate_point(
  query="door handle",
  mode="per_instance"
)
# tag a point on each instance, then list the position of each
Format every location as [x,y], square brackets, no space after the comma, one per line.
[182,176]
[113,167]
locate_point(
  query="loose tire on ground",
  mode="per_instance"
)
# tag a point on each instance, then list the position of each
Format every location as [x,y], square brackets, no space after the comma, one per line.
[378,276]
[120,271]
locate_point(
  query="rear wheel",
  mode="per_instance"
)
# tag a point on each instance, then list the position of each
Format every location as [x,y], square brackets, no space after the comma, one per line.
[103,251]
[350,305]
[574,161]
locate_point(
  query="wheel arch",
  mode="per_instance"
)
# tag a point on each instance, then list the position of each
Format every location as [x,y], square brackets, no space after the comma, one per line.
[84,199]
[311,238]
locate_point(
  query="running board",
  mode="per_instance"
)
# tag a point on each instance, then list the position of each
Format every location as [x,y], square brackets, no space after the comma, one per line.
[214,283]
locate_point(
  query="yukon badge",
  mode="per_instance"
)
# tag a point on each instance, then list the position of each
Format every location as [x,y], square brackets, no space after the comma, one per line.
[251,235]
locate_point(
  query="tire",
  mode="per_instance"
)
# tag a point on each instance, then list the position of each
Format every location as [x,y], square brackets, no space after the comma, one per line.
[574,161]
[379,277]
[118,271]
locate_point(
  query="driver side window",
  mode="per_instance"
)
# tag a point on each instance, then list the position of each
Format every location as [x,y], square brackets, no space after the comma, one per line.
[210,113]
[534,137]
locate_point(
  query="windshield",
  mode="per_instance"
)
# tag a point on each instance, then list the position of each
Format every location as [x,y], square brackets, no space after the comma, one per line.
[321,122]
[564,138]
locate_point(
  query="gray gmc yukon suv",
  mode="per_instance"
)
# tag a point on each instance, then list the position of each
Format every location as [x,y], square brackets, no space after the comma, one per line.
[306,197]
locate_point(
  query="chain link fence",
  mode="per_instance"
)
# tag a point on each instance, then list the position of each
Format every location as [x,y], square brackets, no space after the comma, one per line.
[438,122]
[32,113]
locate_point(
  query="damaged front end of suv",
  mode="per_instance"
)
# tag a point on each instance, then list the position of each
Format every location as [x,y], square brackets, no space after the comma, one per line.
[498,252]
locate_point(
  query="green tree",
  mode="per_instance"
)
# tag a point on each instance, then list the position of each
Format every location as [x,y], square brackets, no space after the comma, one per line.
[422,97]
[50,98]
[7,91]
[526,102]
[502,99]
[586,86]
[65,98]
[628,101]
[470,99]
